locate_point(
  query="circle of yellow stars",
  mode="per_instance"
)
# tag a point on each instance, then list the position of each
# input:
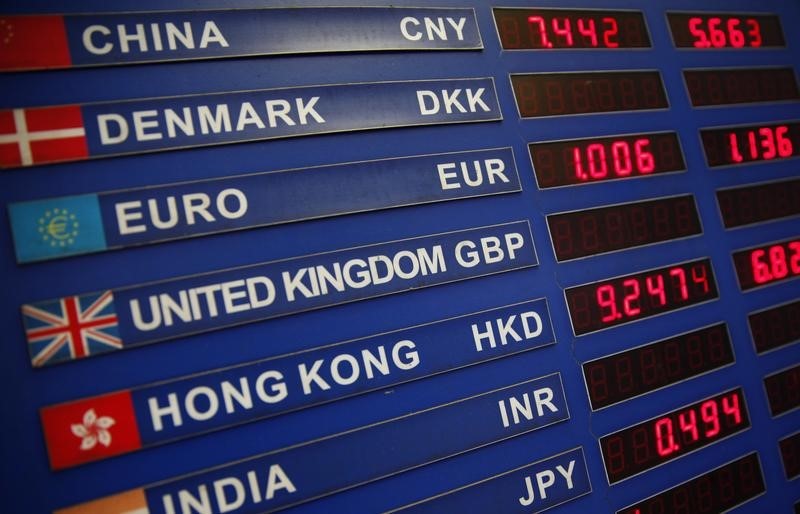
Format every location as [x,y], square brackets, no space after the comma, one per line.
[59,227]
[8,28]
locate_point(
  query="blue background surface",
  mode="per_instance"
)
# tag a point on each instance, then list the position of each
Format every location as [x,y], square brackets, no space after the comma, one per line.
[27,484]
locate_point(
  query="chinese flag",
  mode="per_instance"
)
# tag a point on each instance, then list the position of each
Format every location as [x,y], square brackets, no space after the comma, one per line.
[90,429]
[33,42]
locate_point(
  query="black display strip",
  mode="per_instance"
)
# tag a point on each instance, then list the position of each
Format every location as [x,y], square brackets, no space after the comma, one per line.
[638,371]
[718,490]
[599,159]
[643,446]
[758,203]
[728,86]
[743,144]
[702,30]
[790,455]
[588,232]
[559,94]
[623,299]
[783,390]
[544,29]
[775,327]
[768,264]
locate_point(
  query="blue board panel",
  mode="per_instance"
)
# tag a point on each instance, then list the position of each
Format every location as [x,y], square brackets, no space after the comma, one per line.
[378,105]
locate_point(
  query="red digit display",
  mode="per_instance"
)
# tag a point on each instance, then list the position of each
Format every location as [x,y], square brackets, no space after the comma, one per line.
[543,29]
[585,161]
[619,300]
[651,443]
[728,30]
[719,490]
[558,94]
[729,86]
[759,203]
[619,377]
[790,455]
[783,391]
[775,327]
[729,146]
[767,264]
[617,227]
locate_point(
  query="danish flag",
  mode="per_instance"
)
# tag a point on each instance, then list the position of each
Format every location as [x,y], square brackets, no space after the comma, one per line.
[42,135]
[71,328]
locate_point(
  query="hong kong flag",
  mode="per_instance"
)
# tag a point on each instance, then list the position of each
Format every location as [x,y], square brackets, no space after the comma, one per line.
[41,135]
[91,429]
[33,42]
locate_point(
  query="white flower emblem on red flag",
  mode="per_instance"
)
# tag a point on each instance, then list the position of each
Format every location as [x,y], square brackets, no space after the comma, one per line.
[93,430]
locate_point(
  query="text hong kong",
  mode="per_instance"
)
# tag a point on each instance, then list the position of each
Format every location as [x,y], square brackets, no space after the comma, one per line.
[76,132]
[289,476]
[146,313]
[191,405]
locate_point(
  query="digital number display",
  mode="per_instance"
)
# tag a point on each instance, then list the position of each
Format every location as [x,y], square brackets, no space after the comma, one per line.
[759,203]
[728,146]
[585,161]
[775,327]
[740,86]
[716,30]
[559,94]
[790,455]
[717,491]
[588,232]
[619,300]
[783,391]
[767,264]
[619,377]
[543,29]
[651,443]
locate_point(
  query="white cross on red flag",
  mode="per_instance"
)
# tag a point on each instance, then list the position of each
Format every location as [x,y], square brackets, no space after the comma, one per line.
[41,135]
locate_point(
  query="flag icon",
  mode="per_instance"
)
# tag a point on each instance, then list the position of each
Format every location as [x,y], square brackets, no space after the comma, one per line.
[42,135]
[90,429]
[56,227]
[71,328]
[33,42]
[129,502]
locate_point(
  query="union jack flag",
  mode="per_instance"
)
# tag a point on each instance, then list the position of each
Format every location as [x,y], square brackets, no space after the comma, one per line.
[71,328]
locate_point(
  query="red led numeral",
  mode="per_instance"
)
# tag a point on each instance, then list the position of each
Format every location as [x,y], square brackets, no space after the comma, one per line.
[654,287]
[610,34]
[716,33]
[592,162]
[653,442]
[773,263]
[561,28]
[665,432]
[586,28]
[766,143]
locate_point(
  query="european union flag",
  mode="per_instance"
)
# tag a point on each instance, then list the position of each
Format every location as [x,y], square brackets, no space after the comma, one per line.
[57,227]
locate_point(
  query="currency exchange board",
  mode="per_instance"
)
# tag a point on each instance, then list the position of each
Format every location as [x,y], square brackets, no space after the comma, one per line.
[450,256]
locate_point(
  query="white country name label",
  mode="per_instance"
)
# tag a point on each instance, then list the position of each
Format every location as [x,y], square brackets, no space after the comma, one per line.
[286,477]
[85,325]
[99,427]
[71,225]
[29,42]
[41,135]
